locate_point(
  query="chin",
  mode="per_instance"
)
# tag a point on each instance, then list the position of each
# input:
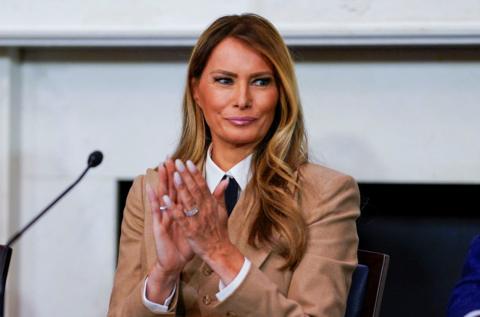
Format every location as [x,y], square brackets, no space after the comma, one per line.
[241,140]
[245,134]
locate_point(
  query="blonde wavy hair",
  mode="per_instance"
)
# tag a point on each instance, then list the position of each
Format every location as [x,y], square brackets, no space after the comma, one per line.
[279,222]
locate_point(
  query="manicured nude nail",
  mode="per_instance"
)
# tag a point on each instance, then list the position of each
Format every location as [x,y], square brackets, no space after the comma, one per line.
[167,200]
[179,165]
[177,179]
[191,167]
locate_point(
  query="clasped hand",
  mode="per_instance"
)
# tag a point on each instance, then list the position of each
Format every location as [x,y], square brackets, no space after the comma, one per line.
[179,237]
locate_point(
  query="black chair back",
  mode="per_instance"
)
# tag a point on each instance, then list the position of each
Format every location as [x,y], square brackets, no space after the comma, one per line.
[357,292]
[368,284]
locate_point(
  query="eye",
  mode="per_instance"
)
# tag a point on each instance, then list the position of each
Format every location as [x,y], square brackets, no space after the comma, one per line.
[264,81]
[223,80]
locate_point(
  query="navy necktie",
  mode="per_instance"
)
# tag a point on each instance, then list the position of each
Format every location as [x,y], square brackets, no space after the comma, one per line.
[231,193]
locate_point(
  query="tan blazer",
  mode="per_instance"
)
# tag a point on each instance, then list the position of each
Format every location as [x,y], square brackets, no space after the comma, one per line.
[318,286]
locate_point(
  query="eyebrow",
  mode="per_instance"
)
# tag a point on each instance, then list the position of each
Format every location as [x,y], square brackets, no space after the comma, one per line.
[225,72]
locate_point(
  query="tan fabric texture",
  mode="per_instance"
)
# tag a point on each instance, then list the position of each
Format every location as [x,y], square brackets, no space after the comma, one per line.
[318,286]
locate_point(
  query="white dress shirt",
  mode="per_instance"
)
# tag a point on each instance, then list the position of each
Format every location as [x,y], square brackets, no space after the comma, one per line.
[214,174]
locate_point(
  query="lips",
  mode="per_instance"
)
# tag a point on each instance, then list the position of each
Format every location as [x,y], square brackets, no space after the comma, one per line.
[241,121]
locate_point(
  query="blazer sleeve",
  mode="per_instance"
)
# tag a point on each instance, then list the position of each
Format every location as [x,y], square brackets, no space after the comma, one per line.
[320,283]
[126,298]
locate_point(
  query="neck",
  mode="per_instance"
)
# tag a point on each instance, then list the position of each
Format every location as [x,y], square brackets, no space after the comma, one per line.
[227,156]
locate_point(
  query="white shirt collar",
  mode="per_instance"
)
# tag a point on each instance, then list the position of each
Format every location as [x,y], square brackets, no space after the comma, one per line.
[214,174]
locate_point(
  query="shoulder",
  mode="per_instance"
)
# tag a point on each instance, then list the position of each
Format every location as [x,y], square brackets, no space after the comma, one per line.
[137,190]
[472,265]
[151,176]
[465,296]
[324,191]
[317,177]
[140,181]
[136,204]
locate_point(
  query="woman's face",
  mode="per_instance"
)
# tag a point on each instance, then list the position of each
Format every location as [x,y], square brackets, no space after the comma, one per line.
[237,94]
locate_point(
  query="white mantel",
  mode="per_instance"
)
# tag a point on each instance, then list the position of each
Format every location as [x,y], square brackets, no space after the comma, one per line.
[178,23]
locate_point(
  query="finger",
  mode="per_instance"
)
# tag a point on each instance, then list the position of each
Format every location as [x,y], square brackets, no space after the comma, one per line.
[167,201]
[162,188]
[219,192]
[183,195]
[161,220]
[189,182]
[198,178]
[152,198]
[154,204]
[165,219]
[170,168]
[176,211]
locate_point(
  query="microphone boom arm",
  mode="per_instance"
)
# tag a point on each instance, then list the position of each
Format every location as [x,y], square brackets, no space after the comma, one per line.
[18,234]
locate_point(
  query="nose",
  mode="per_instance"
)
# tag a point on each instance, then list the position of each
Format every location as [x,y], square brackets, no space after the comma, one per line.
[244,96]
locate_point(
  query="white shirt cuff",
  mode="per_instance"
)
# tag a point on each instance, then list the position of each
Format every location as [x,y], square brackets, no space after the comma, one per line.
[155,307]
[474,313]
[227,290]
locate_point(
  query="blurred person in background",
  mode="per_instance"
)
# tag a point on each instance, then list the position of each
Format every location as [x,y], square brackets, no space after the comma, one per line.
[465,299]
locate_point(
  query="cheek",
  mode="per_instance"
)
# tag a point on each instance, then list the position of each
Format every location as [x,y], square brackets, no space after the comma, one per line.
[269,103]
[213,101]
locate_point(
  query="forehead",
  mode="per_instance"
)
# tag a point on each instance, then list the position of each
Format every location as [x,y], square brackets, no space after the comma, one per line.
[235,55]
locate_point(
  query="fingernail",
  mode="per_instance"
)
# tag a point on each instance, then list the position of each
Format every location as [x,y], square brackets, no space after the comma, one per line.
[191,167]
[167,200]
[179,165]
[177,179]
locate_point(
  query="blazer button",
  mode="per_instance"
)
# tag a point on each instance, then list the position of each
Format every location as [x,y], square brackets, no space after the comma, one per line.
[231,314]
[207,270]
[206,300]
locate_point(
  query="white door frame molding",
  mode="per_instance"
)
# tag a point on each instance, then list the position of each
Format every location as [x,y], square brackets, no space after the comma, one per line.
[9,129]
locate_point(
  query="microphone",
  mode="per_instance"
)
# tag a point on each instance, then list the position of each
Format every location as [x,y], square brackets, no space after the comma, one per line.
[94,159]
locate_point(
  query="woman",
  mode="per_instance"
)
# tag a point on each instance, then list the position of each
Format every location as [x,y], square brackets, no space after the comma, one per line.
[288,247]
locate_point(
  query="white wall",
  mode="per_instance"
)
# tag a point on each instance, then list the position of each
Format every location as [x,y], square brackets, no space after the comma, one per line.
[19,16]
[395,121]
[130,112]
[150,22]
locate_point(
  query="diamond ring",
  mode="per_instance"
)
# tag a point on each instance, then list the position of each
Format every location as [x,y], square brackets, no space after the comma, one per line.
[163,208]
[191,212]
